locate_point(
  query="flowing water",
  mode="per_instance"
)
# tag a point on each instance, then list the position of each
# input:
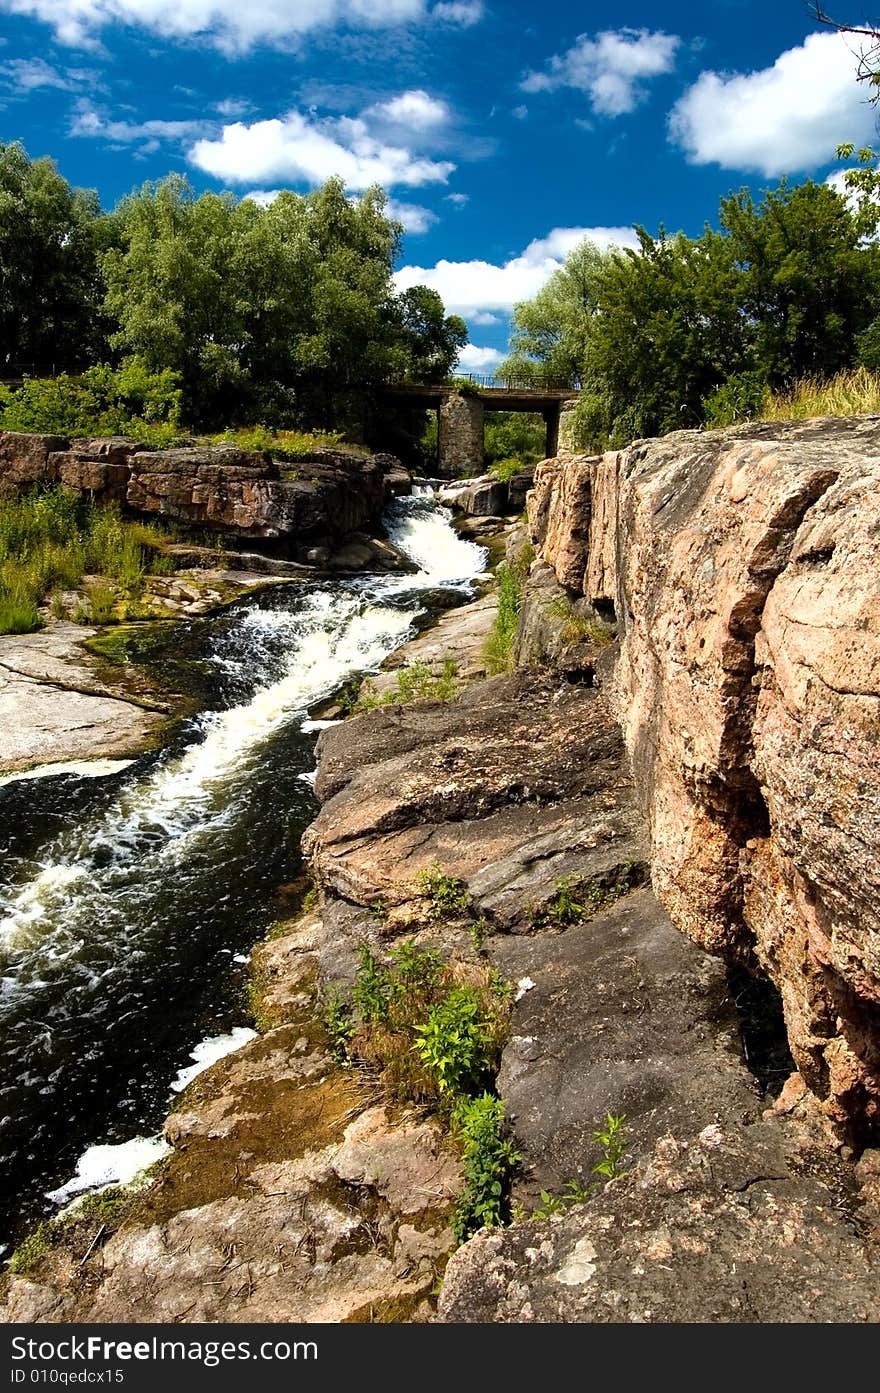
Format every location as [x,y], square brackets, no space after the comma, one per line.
[128,902]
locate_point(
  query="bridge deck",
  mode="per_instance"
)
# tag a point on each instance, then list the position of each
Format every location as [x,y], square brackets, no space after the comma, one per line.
[492,398]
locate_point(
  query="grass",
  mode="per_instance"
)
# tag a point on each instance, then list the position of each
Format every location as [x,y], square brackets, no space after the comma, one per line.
[415,682]
[577,899]
[50,539]
[855,392]
[283,444]
[579,628]
[511,577]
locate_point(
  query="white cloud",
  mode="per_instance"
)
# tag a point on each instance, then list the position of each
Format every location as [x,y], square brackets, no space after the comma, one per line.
[413,109]
[28,74]
[471,288]
[611,69]
[308,151]
[788,117]
[461,12]
[228,24]
[230,106]
[414,217]
[474,359]
[459,199]
[484,317]
[89,122]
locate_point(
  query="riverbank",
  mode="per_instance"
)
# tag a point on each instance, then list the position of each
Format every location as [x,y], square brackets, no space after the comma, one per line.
[730,1204]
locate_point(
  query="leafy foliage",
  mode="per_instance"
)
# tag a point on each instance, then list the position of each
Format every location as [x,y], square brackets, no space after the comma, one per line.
[688,331]
[415,682]
[490,1160]
[101,401]
[444,893]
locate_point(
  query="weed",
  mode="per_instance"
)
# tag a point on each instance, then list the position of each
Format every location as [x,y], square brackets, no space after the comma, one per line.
[612,1139]
[102,602]
[415,682]
[372,987]
[579,628]
[339,1024]
[478,930]
[577,899]
[489,1162]
[454,1041]
[499,645]
[255,991]
[445,894]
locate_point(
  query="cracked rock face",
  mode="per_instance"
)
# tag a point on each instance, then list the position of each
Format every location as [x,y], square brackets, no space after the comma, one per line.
[743,566]
[728,1225]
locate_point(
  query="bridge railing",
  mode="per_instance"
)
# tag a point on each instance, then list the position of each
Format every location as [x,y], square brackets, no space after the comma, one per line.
[516,382]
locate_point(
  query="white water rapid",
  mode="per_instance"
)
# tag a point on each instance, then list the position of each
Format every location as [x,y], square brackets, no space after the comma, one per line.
[113,917]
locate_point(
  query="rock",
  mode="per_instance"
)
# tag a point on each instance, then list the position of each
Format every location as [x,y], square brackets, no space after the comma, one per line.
[458,636]
[317,503]
[725,1225]
[626,1016]
[742,569]
[517,786]
[55,707]
[24,460]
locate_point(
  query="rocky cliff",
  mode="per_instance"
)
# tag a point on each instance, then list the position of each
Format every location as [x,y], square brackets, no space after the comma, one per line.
[741,568]
[310,504]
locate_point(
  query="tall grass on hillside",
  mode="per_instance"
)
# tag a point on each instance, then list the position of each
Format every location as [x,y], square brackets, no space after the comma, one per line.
[50,539]
[855,392]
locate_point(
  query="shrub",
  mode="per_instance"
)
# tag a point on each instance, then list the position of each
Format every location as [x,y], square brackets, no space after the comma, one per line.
[490,1160]
[415,682]
[454,1042]
[740,398]
[499,645]
[102,401]
[444,893]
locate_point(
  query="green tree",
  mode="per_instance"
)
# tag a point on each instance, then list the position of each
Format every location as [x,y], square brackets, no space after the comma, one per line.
[810,283]
[551,333]
[50,288]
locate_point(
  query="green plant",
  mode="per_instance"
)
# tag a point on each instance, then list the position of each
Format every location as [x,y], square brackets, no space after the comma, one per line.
[337,1020]
[577,899]
[490,1160]
[372,987]
[478,929]
[612,1139]
[415,682]
[579,627]
[454,1042]
[102,602]
[511,578]
[446,895]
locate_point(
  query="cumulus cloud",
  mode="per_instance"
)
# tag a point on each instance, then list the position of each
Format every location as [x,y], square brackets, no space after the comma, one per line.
[471,288]
[228,24]
[474,359]
[302,150]
[612,69]
[414,109]
[459,199]
[788,117]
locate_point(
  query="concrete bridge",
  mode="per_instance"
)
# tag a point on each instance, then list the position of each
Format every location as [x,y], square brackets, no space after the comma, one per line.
[461,413]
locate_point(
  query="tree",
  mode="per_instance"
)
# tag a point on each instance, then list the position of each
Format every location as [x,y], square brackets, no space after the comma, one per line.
[50,288]
[869,54]
[810,282]
[551,332]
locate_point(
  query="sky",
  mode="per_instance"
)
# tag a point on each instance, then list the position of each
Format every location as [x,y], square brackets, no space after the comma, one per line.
[503,131]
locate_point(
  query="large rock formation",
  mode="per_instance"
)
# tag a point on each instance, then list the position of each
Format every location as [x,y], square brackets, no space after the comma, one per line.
[312,502]
[742,567]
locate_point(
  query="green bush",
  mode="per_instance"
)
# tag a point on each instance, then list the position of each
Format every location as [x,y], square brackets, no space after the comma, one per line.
[499,645]
[740,398]
[50,539]
[415,682]
[445,894]
[102,401]
[454,1042]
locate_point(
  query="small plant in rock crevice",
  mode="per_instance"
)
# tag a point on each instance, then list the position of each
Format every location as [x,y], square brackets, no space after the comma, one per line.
[489,1158]
[577,899]
[446,895]
[611,1138]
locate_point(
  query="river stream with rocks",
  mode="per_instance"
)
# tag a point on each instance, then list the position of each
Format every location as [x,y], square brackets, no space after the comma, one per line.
[129,901]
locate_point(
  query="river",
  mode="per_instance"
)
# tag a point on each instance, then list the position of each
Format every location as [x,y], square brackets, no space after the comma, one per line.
[129,902]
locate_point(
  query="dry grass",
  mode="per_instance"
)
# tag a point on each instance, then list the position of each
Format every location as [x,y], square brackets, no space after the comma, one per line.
[855,392]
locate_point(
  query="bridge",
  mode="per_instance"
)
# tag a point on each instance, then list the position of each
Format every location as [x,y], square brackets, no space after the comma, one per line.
[461,406]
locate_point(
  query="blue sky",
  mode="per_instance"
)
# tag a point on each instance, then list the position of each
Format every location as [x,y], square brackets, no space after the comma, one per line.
[502,130]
